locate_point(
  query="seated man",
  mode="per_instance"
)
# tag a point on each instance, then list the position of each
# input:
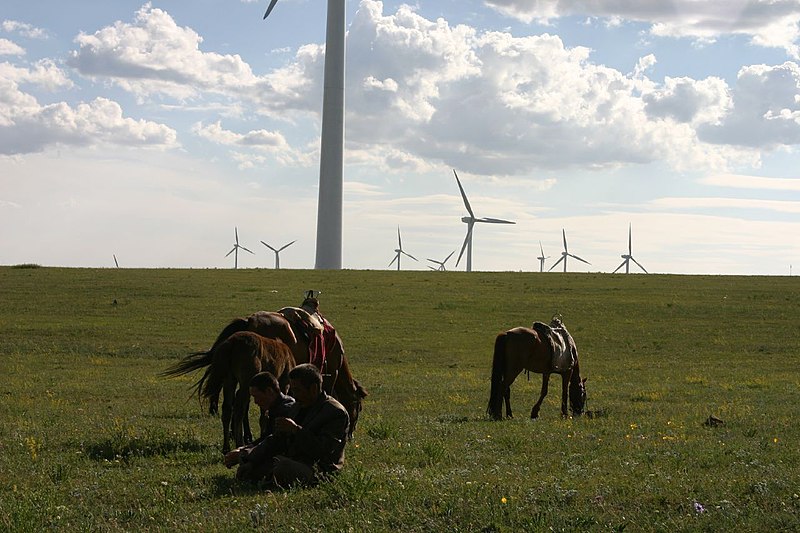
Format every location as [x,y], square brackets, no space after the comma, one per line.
[308,445]
[266,393]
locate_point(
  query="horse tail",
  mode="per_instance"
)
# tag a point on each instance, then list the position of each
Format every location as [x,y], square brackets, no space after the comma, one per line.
[190,363]
[210,385]
[495,407]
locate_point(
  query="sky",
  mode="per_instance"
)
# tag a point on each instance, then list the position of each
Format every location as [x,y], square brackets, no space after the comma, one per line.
[149,131]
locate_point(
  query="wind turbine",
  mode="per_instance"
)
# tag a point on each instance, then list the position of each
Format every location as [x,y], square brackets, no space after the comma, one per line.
[400,251]
[115,260]
[441,263]
[542,257]
[278,251]
[566,254]
[629,257]
[329,204]
[235,249]
[470,222]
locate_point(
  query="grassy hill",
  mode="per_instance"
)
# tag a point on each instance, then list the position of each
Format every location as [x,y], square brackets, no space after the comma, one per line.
[92,439]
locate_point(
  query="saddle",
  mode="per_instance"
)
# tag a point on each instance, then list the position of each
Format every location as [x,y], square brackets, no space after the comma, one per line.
[317,331]
[562,347]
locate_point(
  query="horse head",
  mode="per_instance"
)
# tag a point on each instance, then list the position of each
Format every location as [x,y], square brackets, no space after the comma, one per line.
[577,396]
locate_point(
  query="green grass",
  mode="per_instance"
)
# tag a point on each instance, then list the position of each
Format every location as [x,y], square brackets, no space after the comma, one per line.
[92,439]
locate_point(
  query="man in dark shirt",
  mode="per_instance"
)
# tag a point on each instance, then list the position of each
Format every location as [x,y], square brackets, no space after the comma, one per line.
[306,446]
[266,393]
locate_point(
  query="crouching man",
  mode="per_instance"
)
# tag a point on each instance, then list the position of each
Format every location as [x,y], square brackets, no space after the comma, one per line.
[305,447]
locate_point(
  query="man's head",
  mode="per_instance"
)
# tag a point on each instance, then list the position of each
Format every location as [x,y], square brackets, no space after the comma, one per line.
[264,389]
[305,383]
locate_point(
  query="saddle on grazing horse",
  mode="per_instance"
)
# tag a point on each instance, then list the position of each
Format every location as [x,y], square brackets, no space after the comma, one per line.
[560,342]
[318,332]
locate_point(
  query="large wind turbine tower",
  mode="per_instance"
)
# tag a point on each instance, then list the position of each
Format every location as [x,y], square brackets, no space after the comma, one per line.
[329,203]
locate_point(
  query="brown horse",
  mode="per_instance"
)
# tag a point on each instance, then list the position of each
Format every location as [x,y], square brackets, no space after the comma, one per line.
[530,349]
[338,379]
[229,366]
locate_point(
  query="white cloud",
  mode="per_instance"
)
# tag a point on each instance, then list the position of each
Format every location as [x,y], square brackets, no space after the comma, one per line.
[678,203]
[766,22]
[24,29]
[263,140]
[9,48]
[26,126]
[739,181]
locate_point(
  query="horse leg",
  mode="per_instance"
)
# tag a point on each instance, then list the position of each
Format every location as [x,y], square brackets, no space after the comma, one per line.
[507,399]
[227,411]
[535,410]
[565,377]
[242,401]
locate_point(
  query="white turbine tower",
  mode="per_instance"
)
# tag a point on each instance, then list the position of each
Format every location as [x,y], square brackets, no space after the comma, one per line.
[566,254]
[399,251]
[629,257]
[329,203]
[470,222]
[235,249]
[277,252]
[441,264]
[542,257]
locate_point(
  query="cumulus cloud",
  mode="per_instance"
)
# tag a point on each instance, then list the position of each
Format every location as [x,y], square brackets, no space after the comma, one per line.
[27,126]
[422,92]
[767,23]
[10,48]
[24,29]
[266,141]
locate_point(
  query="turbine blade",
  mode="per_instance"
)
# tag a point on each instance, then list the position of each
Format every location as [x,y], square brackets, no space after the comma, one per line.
[540,248]
[246,250]
[236,232]
[396,258]
[579,259]
[620,266]
[464,195]
[464,246]
[563,258]
[640,266]
[630,251]
[448,257]
[411,256]
[494,220]
[270,247]
[564,233]
[269,9]
[229,253]
[399,242]
[287,245]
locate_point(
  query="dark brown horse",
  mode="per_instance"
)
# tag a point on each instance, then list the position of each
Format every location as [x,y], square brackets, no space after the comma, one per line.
[338,379]
[229,366]
[530,349]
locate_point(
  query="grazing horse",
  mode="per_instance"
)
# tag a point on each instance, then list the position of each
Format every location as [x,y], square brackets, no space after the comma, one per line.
[229,366]
[338,380]
[536,350]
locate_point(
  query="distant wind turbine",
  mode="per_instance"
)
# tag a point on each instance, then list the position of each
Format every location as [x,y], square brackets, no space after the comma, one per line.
[542,257]
[400,251]
[566,254]
[115,260]
[470,222]
[235,249]
[278,251]
[627,258]
[331,159]
[441,264]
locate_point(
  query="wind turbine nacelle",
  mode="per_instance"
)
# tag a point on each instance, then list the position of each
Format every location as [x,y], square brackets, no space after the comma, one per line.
[466,220]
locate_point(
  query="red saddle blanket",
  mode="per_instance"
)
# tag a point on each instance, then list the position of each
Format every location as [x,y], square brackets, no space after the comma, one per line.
[321,345]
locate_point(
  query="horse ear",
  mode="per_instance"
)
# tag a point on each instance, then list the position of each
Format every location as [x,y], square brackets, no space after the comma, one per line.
[584,380]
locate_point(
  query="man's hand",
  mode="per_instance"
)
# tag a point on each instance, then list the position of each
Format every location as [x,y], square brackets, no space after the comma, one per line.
[286,425]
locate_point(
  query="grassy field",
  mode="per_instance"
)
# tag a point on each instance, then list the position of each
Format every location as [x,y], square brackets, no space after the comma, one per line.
[92,439]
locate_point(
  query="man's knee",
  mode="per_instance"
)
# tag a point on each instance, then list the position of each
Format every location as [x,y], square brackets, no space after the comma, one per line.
[288,472]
